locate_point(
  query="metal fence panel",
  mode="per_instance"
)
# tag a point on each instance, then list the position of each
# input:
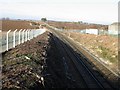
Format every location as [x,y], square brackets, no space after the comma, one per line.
[12,38]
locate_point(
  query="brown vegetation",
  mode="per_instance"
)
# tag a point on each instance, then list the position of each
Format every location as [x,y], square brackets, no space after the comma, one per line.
[16,24]
[76,25]
[103,46]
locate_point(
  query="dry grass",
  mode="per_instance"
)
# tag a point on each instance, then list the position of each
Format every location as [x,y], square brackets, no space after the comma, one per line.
[105,47]
[16,24]
[75,25]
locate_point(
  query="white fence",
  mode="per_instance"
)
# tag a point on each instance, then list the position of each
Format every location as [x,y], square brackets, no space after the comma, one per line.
[12,38]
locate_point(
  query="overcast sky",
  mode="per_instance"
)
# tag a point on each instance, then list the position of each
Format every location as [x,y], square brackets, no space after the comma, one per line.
[97,11]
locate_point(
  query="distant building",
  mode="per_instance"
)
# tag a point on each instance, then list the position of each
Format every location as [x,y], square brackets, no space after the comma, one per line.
[92,31]
[113,28]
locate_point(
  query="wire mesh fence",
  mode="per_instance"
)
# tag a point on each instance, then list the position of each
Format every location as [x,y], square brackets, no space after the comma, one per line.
[10,38]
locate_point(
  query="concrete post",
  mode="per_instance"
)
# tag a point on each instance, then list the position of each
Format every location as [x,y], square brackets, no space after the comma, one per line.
[23,36]
[7,40]
[26,35]
[19,35]
[31,34]
[14,38]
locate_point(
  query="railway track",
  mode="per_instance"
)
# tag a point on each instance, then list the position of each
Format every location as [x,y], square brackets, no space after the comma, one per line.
[91,78]
[58,45]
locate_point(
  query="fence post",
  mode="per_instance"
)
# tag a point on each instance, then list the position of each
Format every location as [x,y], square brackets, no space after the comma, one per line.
[32,34]
[7,40]
[28,34]
[19,35]
[23,36]
[14,38]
